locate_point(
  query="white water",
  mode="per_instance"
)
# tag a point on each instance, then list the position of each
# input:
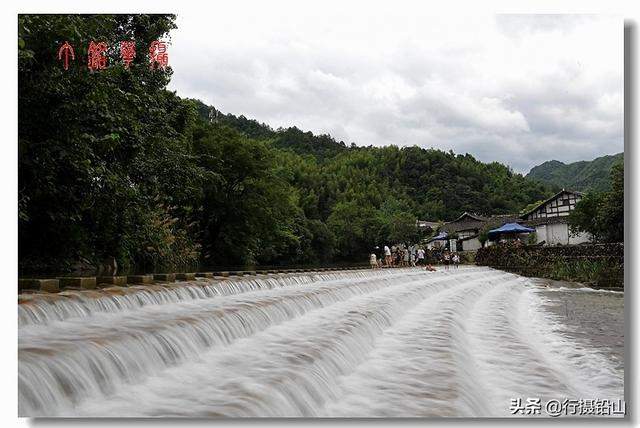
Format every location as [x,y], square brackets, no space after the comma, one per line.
[399,342]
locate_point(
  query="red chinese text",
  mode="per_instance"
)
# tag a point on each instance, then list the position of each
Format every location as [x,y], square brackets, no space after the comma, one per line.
[66,51]
[127,52]
[158,54]
[96,56]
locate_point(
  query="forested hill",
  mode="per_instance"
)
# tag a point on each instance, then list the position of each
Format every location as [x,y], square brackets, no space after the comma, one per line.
[582,176]
[112,164]
[436,185]
[293,139]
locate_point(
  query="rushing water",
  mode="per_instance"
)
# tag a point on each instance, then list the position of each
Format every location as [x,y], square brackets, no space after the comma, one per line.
[399,342]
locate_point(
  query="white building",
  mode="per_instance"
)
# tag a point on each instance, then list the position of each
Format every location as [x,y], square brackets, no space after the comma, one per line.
[550,219]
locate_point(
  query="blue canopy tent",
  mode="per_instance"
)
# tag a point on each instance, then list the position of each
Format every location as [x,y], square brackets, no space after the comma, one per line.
[509,229]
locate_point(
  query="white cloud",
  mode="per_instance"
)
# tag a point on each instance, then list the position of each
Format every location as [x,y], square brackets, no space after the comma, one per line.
[514,88]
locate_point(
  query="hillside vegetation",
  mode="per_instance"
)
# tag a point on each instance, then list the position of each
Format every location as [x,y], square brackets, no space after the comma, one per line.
[581,176]
[111,164]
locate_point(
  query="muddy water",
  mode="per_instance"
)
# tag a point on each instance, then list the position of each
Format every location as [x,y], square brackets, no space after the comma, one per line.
[594,318]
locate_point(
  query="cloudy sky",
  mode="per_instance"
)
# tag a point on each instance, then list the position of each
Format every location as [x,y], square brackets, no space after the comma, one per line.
[519,89]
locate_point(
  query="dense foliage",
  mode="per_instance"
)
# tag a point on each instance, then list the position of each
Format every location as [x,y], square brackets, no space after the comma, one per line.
[105,159]
[582,176]
[111,164]
[602,213]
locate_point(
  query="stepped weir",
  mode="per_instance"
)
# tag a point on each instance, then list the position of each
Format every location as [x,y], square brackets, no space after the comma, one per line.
[362,343]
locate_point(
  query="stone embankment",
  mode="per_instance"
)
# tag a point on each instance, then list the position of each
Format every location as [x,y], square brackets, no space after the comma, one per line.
[596,265]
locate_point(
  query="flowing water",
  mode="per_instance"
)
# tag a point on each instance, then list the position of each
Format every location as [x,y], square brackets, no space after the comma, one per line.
[391,342]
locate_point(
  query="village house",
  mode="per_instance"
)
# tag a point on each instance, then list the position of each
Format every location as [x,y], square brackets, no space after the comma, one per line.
[467,228]
[549,219]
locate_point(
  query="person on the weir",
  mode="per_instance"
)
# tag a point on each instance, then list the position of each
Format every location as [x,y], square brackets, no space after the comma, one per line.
[387,255]
[420,256]
[456,260]
[446,258]
[373,259]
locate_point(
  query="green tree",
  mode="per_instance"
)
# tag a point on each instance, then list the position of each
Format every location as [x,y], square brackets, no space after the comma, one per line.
[97,150]
[354,227]
[403,228]
[249,212]
[601,214]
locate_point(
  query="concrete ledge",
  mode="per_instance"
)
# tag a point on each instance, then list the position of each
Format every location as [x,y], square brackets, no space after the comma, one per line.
[166,277]
[84,283]
[48,285]
[204,275]
[140,279]
[88,283]
[120,281]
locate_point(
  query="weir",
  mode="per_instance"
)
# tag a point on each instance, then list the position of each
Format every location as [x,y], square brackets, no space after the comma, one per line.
[368,343]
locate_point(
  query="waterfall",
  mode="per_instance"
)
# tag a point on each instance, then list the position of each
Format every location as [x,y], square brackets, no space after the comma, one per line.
[390,342]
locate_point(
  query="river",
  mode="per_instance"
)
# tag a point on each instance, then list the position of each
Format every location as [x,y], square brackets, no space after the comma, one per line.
[382,343]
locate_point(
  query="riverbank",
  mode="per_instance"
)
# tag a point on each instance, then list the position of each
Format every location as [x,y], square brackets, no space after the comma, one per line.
[594,265]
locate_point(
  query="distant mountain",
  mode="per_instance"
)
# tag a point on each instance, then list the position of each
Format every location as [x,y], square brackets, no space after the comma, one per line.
[582,176]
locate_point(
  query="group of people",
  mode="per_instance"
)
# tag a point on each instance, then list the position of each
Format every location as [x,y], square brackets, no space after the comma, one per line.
[402,255]
[449,259]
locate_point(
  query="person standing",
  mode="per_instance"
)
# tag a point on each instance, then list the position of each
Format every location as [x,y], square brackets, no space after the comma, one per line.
[456,260]
[373,259]
[446,258]
[420,256]
[387,255]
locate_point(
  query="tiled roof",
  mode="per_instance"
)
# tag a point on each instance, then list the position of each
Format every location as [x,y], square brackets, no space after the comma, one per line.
[469,221]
